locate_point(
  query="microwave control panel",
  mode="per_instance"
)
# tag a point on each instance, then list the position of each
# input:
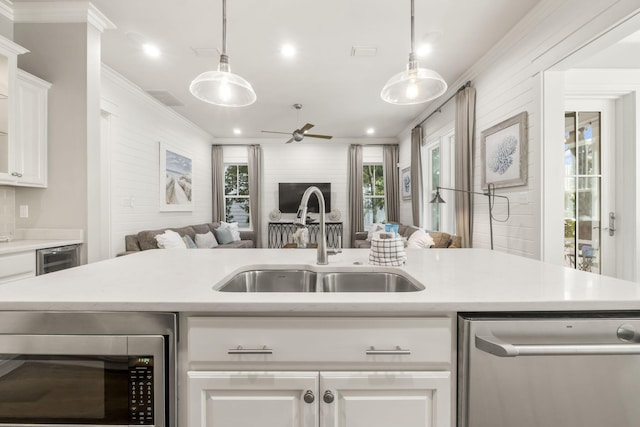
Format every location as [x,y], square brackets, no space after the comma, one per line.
[141,391]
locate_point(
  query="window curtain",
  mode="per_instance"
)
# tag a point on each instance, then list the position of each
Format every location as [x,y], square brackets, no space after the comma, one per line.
[416,176]
[217,184]
[254,153]
[465,137]
[356,209]
[390,159]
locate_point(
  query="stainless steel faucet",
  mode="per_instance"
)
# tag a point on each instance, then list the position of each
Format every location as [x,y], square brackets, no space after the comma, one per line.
[300,221]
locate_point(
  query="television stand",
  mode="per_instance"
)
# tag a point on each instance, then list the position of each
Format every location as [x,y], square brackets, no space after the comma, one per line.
[280,233]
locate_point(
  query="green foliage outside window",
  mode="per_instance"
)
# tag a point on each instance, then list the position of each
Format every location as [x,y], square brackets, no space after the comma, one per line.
[373,191]
[236,194]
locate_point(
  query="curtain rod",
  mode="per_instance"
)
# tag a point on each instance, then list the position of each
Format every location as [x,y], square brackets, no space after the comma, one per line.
[466,85]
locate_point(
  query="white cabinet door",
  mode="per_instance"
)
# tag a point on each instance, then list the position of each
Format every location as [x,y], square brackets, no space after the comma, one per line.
[384,399]
[30,154]
[252,399]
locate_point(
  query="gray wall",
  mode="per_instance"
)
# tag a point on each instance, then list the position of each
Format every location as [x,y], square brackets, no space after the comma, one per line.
[59,54]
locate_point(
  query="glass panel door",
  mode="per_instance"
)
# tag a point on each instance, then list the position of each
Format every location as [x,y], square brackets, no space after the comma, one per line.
[582,190]
[52,389]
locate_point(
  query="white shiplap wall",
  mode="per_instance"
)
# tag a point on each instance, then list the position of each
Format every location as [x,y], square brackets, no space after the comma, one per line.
[137,124]
[308,161]
[508,80]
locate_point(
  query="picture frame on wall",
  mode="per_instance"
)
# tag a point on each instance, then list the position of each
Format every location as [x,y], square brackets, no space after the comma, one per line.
[176,180]
[405,183]
[504,153]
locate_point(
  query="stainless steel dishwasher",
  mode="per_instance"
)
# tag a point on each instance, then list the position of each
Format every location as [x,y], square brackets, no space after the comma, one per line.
[549,370]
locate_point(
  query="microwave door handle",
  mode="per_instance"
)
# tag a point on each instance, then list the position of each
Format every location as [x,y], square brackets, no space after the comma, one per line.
[99,345]
[492,345]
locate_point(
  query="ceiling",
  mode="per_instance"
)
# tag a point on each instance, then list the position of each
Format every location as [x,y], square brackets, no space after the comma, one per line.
[340,93]
[621,55]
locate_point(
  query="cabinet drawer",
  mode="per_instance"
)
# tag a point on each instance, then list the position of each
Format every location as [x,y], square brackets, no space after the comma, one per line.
[17,266]
[364,342]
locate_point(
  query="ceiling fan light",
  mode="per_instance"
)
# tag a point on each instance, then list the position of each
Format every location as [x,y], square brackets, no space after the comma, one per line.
[222,87]
[413,86]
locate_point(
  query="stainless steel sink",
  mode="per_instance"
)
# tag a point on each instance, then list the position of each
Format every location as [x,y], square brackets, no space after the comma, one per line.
[309,281]
[272,281]
[368,282]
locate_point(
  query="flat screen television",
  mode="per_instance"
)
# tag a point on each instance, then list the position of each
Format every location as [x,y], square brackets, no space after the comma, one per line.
[290,195]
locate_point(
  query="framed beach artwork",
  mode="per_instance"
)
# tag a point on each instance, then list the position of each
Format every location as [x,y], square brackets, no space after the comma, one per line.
[504,153]
[405,183]
[176,175]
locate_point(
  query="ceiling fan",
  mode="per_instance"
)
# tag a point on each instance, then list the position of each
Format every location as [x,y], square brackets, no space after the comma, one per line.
[299,134]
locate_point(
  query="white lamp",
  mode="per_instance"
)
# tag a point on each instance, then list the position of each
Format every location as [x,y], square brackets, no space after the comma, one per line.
[221,87]
[414,85]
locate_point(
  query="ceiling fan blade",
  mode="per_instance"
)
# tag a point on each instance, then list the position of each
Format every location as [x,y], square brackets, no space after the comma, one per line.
[305,128]
[310,135]
[271,131]
[289,141]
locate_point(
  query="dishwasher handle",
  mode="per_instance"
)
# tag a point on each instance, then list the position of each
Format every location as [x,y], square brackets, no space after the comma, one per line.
[493,345]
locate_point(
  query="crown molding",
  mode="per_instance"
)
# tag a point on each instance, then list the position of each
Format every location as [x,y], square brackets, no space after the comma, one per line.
[126,84]
[63,12]
[6,9]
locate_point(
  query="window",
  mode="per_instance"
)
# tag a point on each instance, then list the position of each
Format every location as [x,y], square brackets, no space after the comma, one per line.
[373,191]
[236,194]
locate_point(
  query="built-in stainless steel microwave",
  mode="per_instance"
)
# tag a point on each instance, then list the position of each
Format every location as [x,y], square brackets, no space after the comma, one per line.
[97,369]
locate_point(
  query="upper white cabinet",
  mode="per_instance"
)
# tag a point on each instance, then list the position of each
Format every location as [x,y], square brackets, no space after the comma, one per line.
[9,52]
[30,148]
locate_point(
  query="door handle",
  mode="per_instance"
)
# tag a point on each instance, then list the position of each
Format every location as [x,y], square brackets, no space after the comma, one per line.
[612,223]
[493,345]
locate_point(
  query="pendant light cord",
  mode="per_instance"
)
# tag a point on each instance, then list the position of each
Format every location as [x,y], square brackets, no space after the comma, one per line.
[413,25]
[224,27]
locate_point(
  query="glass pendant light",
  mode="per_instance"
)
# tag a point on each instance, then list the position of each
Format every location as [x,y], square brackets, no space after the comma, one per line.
[414,85]
[222,87]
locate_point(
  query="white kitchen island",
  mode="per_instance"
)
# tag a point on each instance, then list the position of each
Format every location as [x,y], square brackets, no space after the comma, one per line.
[318,358]
[454,280]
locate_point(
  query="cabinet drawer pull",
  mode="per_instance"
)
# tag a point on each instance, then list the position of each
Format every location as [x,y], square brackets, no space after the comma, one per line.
[391,352]
[240,350]
[16,174]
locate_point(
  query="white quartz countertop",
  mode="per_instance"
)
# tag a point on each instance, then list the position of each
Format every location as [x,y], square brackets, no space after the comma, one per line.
[23,245]
[184,281]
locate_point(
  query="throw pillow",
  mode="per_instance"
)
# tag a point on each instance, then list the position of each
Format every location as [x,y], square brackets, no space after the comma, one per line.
[188,241]
[206,241]
[170,240]
[420,240]
[233,226]
[223,234]
[393,228]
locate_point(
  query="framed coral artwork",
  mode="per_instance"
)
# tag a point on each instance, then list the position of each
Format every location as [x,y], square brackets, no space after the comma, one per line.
[405,183]
[504,153]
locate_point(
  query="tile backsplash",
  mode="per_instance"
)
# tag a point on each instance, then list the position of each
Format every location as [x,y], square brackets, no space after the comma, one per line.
[7,210]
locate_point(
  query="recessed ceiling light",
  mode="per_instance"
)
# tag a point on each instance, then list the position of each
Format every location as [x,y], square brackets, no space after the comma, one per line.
[237,131]
[151,50]
[371,131]
[288,50]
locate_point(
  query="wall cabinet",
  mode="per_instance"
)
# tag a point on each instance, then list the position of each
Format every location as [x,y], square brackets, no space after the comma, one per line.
[9,52]
[318,371]
[30,151]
